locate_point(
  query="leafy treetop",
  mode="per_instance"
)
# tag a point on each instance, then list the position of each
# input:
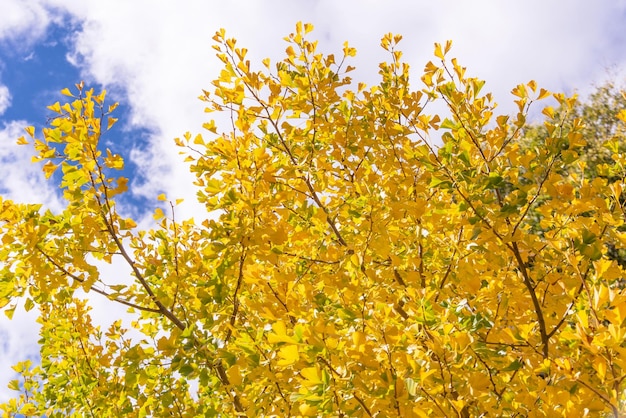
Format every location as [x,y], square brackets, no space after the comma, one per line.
[360,256]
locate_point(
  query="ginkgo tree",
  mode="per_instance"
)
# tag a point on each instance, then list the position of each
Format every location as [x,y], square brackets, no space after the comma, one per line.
[360,256]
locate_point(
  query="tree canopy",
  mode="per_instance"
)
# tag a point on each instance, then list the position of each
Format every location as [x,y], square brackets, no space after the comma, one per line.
[360,256]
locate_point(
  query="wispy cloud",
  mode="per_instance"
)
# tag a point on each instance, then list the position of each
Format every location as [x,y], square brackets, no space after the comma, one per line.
[22,180]
[5,98]
[24,22]
[18,340]
[158,54]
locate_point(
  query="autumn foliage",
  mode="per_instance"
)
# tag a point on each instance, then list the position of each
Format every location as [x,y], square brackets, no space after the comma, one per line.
[361,257]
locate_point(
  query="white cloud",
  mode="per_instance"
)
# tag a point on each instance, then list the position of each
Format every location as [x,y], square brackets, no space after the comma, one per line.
[23,182]
[561,44]
[18,342]
[20,180]
[5,98]
[159,53]
[24,21]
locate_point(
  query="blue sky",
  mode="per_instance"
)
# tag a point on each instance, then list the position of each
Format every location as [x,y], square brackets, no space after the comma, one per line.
[155,56]
[35,74]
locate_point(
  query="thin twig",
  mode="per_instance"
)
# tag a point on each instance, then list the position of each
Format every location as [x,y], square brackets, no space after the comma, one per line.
[95,289]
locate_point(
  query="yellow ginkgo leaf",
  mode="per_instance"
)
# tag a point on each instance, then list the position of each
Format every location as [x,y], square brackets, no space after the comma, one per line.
[311,374]
[158,214]
[288,355]
[49,168]
[110,122]
[31,131]
[280,334]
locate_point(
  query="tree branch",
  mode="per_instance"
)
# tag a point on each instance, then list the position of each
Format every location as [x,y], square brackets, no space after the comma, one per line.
[537,306]
[233,316]
[95,289]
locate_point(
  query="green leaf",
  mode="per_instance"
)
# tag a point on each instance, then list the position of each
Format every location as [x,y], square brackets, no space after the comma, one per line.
[186,369]
[439,182]
[449,124]
[9,311]
[28,304]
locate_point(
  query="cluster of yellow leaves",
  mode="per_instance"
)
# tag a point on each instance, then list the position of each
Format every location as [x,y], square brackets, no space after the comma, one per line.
[362,257]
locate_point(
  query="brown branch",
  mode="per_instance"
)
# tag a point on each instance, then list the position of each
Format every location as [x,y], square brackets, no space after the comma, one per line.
[511,345]
[392,370]
[269,366]
[310,260]
[365,408]
[445,276]
[107,209]
[95,289]
[277,296]
[398,278]
[292,188]
[295,163]
[601,396]
[535,197]
[175,257]
[358,166]
[537,306]
[463,125]
[330,222]
[565,315]
[399,308]
[432,399]
[221,374]
[162,308]
[87,357]
[330,367]
[484,363]
[513,247]
[233,316]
